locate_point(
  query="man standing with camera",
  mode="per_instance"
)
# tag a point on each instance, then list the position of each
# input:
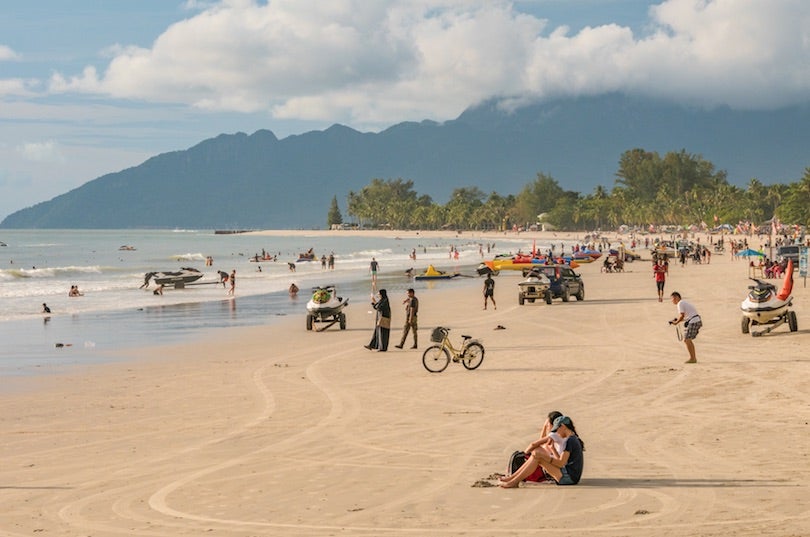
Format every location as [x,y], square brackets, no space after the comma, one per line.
[688,315]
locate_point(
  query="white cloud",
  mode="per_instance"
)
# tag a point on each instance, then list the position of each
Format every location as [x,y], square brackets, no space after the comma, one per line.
[17,86]
[374,63]
[48,151]
[6,53]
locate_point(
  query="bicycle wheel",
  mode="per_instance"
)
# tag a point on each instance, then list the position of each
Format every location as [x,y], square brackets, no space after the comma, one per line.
[473,356]
[435,358]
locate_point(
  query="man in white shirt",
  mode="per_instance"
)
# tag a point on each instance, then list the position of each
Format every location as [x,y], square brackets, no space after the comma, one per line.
[688,315]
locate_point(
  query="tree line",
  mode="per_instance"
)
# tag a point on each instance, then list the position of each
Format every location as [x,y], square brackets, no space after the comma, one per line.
[677,189]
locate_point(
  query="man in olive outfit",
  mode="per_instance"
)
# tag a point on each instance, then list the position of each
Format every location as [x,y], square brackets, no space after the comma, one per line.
[411,309]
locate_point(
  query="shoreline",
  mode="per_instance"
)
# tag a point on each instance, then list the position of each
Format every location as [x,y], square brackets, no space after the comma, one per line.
[273,429]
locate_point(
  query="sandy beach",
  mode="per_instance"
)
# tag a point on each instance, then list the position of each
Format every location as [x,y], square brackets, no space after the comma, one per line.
[279,431]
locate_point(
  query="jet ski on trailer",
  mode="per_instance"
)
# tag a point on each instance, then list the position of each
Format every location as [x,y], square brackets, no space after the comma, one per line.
[326,307]
[764,306]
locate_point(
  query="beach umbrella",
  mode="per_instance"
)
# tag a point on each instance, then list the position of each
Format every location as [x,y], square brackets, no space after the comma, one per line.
[750,252]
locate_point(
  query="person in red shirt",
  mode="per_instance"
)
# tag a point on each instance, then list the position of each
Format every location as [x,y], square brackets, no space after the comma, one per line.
[660,268]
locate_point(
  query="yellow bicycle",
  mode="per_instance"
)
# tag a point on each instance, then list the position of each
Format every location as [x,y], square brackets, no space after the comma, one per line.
[437,357]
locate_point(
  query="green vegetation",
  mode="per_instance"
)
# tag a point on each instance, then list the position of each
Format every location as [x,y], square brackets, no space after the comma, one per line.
[678,189]
[334,217]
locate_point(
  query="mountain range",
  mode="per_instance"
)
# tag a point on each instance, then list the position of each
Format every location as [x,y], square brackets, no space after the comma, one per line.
[240,181]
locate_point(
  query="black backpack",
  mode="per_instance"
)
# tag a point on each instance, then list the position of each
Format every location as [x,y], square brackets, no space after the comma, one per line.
[516,460]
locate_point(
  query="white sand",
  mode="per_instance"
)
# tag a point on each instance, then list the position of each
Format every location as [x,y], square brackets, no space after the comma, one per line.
[280,431]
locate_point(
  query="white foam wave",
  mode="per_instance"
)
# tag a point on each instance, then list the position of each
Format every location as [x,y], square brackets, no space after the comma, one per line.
[48,272]
[189,257]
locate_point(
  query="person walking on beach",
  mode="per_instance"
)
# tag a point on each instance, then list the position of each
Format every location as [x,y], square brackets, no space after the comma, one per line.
[223,277]
[146,277]
[232,278]
[382,329]
[373,266]
[411,311]
[687,314]
[489,290]
[660,274]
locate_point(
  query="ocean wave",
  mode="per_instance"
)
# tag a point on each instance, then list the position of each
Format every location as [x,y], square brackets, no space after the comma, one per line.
[48,272]
[188,257]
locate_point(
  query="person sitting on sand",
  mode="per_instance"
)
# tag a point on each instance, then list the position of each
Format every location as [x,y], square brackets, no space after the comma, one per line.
[553,443]
[565,469]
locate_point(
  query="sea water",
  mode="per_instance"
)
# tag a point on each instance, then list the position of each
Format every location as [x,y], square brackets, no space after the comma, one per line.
[40,266]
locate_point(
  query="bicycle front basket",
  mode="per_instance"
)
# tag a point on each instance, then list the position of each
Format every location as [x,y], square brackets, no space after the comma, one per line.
[438,334]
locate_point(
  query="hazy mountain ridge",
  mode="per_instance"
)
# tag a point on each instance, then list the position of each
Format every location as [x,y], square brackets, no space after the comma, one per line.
[260,181]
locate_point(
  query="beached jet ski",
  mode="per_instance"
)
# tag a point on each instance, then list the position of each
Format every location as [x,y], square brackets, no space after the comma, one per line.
[764,305]
[176,278]
[326,306]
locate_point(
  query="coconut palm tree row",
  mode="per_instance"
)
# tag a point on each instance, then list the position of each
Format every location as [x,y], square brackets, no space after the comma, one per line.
[676,189]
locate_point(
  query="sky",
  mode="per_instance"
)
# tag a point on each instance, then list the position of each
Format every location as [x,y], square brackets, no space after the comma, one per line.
[89,87]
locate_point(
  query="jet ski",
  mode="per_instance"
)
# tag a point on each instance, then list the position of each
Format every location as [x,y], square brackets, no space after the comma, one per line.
[326,307]
[177,278]
[536,286]
[764,306]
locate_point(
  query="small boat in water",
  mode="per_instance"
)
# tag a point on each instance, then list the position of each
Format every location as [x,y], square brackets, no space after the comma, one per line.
[176,278]
[309,255]
[326,307]
[432,274]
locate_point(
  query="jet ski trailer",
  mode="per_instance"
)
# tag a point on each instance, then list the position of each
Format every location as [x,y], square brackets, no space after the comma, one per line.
[764,306]
[326,307]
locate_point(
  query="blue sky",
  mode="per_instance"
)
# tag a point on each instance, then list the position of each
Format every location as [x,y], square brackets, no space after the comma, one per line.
[90,87]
